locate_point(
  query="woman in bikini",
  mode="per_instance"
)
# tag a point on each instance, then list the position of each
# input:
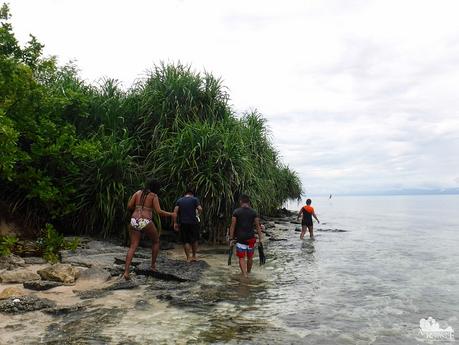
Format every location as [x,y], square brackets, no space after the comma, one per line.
[142,203]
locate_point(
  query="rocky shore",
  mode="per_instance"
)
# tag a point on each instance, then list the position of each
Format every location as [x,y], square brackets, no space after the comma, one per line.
[87,285]
[91,271]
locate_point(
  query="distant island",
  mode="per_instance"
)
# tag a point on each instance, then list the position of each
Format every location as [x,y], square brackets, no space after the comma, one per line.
[407,191]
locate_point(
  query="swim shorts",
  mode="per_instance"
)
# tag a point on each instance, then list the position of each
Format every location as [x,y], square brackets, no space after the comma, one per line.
[245,247]
[189,233]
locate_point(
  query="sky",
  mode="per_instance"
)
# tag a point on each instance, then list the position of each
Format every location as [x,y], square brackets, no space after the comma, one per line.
[360,96]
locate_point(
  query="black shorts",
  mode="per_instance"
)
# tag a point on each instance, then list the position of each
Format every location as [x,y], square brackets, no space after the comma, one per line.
[189,233]
[307,223]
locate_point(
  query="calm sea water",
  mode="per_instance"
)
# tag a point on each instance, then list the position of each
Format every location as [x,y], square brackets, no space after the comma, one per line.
[376,267]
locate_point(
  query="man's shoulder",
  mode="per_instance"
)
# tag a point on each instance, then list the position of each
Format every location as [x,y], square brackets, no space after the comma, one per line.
[245,210]
[238,210]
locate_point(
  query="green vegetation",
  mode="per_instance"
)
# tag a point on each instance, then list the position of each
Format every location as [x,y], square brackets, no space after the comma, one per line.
[51,242]
[73,153]
[7,244]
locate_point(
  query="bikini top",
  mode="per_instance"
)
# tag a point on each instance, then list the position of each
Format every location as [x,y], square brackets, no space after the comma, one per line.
[142,207]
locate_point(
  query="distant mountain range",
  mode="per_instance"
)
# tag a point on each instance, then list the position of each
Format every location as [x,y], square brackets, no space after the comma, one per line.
[411,191]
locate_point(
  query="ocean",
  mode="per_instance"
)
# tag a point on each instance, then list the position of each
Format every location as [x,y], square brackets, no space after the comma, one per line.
[376,267]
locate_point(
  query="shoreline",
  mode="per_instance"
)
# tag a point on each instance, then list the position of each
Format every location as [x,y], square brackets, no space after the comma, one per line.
[98,292]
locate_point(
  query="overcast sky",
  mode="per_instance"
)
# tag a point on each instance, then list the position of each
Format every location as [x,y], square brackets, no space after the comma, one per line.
[359,95]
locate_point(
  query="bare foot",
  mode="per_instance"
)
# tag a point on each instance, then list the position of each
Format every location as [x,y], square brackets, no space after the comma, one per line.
[126,276]
[153,268]
[194,259]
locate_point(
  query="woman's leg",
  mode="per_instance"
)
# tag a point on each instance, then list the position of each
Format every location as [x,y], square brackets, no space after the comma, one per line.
[311,231]
[135,239]
[151,231]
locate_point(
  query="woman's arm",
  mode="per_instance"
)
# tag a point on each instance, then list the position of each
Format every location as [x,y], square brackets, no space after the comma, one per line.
[157,207]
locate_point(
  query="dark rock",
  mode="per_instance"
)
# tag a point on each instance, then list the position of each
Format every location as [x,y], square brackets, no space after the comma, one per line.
[141,279]
[62,310]
[122,261]
[177,270]
[277,239]
[331,230]
[84,326]
[116,270]
[35,260]
[298,229]
[295,222]
[164,297]
[159,275]
[87,294]
[25,304]
[282,222]
[270,225]
[40,285]
[169,285]
[283,229]
[122,285]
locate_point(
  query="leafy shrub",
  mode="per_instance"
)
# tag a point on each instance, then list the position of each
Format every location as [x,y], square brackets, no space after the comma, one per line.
[7,243]
[51,242]
[72,244]
[73,153]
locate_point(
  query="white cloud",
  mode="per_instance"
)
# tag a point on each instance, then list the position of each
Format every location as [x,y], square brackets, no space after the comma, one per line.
[360,95]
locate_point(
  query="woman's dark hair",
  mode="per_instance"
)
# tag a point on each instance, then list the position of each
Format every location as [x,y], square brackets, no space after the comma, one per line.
[151,185]
[308,202]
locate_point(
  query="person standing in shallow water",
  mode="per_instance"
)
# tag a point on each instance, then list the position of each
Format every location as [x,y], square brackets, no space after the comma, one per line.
[186,212]
[307,212]
[242,232]
[142,203]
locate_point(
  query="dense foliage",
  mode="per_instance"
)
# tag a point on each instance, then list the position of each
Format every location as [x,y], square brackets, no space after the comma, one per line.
[72,153]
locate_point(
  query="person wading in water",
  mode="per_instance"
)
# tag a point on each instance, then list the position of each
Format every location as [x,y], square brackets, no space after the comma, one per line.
[142,203]
[186,221]
[242,231]
[307,212]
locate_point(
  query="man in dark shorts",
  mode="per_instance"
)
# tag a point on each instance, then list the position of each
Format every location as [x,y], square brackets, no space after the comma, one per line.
[307,212]
[242,231]
[186,213]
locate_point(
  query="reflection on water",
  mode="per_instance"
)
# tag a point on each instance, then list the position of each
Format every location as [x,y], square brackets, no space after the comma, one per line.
[369,285]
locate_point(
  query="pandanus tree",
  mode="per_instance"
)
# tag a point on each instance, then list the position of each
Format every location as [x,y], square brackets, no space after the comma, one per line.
[73,152]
